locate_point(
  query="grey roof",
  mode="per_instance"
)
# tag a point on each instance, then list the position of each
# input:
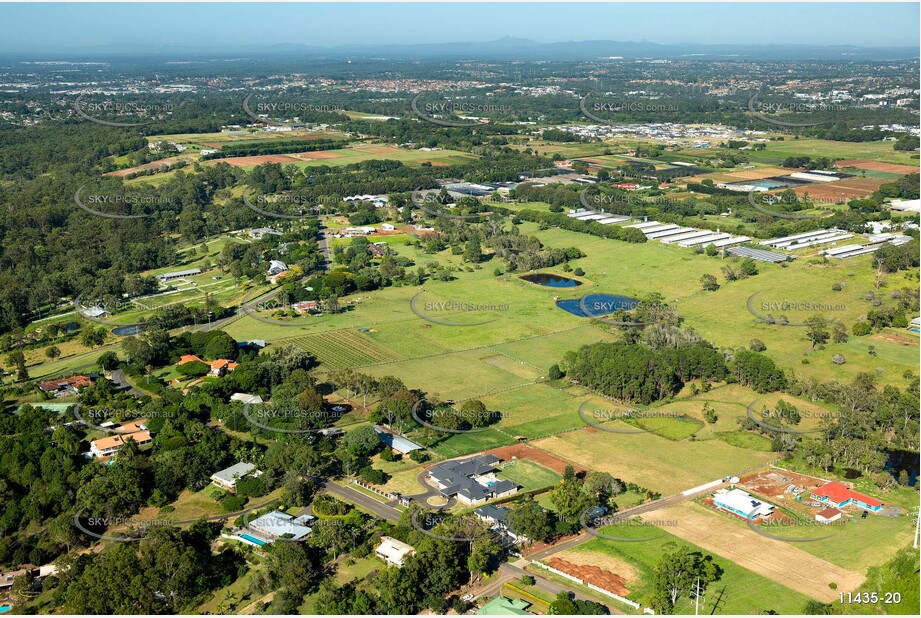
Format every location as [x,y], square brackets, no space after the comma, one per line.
[758,254]
[456,475]
[495,513]
[181,273]
[396,442]
[234,472]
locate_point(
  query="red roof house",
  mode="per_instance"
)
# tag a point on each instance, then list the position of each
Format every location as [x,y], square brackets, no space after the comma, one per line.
[841,495]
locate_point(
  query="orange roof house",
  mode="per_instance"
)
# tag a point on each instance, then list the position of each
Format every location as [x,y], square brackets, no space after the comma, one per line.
[840,495]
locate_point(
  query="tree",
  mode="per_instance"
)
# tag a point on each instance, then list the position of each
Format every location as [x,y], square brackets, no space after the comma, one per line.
[193,369]
[472,251]
[53,352]
[817,330]
[221,345]
[555,372]
[18,359]
[708,283]
[474,412]
[679,573]
[756,345]
[361,442]
[531,521]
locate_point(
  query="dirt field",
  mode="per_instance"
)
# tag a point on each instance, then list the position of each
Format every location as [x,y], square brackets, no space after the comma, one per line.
[523,451]
[258,159]
[149,166]
[591,574]
[600,559]
[776,560]
[319,154]
[845,189]
[876,166]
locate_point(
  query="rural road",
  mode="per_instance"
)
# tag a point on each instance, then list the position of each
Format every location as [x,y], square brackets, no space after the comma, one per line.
[354,496]
[549,586]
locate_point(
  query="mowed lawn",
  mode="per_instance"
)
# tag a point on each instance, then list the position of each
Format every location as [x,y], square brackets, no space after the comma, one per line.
[649,460]
[528,475]
[738,591]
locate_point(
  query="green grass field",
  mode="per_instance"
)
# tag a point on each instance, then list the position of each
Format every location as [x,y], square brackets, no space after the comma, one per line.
[738,591]
[528,475]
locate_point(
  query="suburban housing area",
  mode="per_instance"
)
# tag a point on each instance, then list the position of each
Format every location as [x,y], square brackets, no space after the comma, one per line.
[351,310]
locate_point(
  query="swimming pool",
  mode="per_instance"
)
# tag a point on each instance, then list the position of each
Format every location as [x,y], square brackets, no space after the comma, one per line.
[5,608]
[252,539]
[593,305]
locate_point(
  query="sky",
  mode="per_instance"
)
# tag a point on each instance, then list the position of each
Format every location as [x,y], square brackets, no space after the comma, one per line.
[63,27]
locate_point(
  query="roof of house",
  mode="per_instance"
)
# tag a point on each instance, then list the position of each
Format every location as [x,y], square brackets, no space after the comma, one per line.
[396,442]
[189,358]
[490,511]
[233,473]
[828,513]
[456,475]
[503,606]
[742,502]
[106,443]
[839,492]
[278,524]
[246,398]
[74,381]
[393,549]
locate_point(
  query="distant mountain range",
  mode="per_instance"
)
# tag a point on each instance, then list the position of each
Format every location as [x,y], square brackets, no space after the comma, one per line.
[505,48]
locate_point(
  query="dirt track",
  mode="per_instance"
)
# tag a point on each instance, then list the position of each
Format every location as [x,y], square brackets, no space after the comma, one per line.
[778,561]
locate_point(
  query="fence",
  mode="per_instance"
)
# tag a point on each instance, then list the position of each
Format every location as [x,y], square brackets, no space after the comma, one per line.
[626,601]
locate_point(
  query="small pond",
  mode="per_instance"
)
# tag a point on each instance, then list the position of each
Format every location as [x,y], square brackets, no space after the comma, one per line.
[597,305]
[127,331]
[551,281]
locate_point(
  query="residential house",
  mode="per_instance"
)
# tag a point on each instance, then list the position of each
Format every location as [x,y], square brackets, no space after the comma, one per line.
[110,445]
[276,525]
[65,387]
[393,552]
[227,478]
[828,515]
[840,495]
[471,481]
[742,503]
[503,606]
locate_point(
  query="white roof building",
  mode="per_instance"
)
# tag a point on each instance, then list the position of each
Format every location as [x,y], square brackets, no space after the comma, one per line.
[393,552]
[246,398]
[228,477]
[277,524]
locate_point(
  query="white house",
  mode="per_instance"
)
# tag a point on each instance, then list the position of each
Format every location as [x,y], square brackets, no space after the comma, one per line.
[393,552]
[828,515]
[227,478]
[246,398]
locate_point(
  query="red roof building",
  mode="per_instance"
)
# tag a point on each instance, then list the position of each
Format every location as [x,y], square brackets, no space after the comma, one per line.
[841,495]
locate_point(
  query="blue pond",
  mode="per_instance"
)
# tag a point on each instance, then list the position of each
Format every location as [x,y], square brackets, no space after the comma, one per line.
[597,304]
[127,331]
[551,281]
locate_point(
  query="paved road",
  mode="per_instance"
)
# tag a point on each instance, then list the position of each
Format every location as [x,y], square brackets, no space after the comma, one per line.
[118,376]
[354,496]
[551,587]
[639,509]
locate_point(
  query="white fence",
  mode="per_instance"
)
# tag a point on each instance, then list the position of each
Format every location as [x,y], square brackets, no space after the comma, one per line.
[632,604]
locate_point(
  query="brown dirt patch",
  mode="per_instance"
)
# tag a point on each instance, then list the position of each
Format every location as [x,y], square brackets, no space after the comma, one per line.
[523,451]
[376,148]
[149,166]
[758,174]
[776,560]
[255,160]
[602,560]
[876,166]
[591,574]
[320,154]
[845,189]
[897,339]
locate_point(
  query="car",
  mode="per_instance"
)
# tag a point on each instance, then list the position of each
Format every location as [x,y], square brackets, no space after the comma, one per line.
[864,514]
[467,597]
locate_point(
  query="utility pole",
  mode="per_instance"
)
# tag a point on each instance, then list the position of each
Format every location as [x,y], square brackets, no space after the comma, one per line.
[697,598]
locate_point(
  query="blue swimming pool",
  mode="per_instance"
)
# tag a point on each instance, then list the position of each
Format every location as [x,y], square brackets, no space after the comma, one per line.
[597,304]
[5,608]
[253,539]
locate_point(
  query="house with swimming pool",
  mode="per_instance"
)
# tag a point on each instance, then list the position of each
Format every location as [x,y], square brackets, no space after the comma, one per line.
[472,481]
[840,495]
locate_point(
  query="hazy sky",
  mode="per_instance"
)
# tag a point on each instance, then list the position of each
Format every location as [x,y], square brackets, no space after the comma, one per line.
[75,27]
